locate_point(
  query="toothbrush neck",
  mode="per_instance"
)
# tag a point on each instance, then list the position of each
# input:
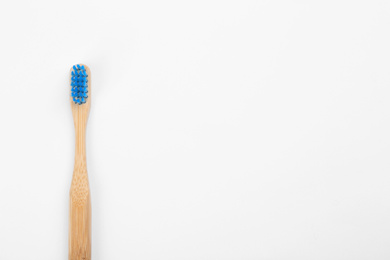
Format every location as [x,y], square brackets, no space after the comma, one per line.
[80,140]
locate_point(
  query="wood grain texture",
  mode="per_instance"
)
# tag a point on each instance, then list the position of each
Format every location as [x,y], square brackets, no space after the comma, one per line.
[80,198]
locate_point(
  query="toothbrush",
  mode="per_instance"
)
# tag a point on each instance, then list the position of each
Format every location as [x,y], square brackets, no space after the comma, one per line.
[80,199]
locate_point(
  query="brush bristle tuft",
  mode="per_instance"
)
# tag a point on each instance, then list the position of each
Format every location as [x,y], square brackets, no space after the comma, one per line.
[79,84]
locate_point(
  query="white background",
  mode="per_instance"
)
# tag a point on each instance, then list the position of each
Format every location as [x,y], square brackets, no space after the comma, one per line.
[218,129]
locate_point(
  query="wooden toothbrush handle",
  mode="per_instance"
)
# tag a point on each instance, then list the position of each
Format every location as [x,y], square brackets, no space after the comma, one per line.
[80,215]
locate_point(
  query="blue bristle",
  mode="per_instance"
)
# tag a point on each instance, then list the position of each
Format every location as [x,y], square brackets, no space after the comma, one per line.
[79,84]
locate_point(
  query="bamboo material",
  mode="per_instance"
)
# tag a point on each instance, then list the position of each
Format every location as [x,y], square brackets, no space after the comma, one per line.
[80,198]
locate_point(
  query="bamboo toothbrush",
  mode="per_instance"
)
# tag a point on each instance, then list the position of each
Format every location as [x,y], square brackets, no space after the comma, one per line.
[80,199]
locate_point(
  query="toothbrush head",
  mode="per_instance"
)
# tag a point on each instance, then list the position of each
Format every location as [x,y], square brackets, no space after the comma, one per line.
[79,84]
